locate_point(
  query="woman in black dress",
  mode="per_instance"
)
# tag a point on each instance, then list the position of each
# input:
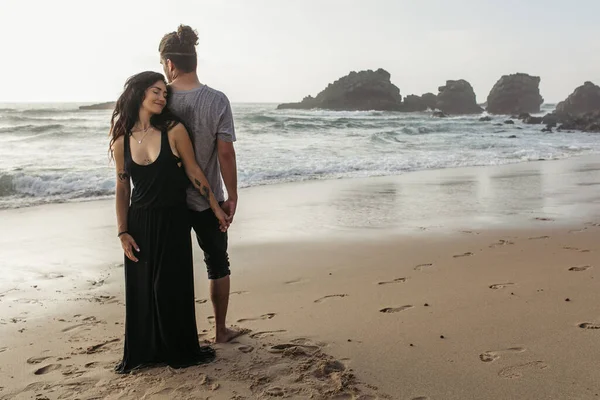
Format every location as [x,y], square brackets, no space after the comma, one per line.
[154,152]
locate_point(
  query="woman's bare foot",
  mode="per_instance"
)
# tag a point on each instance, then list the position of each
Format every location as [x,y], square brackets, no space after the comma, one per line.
[228,334]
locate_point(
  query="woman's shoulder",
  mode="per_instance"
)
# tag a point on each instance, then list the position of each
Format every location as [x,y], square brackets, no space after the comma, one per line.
[176,128]
[119,143]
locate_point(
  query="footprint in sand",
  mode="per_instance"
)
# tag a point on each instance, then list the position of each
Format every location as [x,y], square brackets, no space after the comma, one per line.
[27,301]
[48,368]
[53,275]
[264,316]
[246,348]
[98,283]
[589,325]
[239,292]
[577,230]
[275,391]
[501,242]
[73,327]
[389,310]
[576,249]
[490,356]
[97,347]
[293,347]
[306,342]
[545,219]
[516,371]
[539,237]
[420,398]
[3,349]
[397,280]
[36,360]
[330,296]
[421,267]
[264,334]
[580,268]
[350,396]
[463,255]
[500,285]
[295,281]
[201,301]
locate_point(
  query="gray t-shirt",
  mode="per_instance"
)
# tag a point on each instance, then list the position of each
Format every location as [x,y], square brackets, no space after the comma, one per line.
[206,113]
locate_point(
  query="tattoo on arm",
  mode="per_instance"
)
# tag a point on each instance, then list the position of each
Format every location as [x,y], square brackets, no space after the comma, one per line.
[203,189]
[123,176]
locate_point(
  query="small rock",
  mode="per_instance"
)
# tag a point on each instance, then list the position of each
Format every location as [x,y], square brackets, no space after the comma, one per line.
[533,120]
[509,122]
[442,337]
[426,305]
[567,299]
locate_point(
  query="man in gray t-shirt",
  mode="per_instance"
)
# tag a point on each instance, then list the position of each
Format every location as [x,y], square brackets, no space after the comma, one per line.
[206,113]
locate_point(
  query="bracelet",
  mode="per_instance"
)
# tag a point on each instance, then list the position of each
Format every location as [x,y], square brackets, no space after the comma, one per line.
[122,233]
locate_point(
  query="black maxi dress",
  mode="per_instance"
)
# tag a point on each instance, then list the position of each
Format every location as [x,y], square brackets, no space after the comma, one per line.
[160,321]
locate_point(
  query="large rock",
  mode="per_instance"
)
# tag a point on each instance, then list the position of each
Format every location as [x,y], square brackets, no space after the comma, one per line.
[515,94]
[589,122]
[430,100]
[364,90]
[585,99]
[457,97]
[110,105]
[413,103]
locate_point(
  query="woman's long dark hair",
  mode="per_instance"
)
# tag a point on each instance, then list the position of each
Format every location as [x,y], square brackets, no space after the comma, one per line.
[127,109]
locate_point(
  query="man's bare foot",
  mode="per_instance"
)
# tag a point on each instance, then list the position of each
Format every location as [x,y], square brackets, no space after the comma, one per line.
[228,334]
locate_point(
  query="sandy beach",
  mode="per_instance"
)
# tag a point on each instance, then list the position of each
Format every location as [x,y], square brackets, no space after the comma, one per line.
[468,283]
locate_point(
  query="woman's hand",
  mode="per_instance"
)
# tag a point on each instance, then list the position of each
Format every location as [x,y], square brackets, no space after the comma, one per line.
[224,219]
[129,244]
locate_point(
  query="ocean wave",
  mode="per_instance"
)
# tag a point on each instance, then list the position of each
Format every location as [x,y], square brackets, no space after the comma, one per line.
[61,184]
[31,128]
[25,119]
[46,111]
[261,119]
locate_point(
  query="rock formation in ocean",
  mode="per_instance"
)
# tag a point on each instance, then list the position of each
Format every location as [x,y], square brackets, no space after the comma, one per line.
[430,100]
[588,122]
[585,99]
[413,103]
[515,94]
[110,105]
[457,97]
[364,90]
[580,111]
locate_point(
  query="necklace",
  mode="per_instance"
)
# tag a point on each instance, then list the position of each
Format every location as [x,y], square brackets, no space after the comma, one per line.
[143,137]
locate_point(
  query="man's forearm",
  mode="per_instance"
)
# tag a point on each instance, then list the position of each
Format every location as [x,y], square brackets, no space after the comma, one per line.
[229,173]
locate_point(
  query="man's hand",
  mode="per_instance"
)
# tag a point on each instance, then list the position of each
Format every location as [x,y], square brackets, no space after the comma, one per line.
[229,206]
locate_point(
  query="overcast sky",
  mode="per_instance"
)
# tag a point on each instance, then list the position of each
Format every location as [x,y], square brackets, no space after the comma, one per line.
[283,50]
